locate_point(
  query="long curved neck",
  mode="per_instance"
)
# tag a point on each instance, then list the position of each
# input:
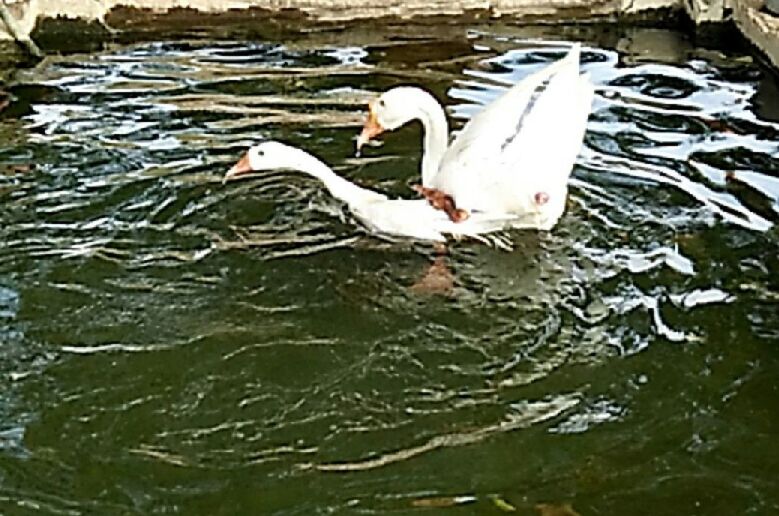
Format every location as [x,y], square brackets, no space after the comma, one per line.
[338,187]
[436,133]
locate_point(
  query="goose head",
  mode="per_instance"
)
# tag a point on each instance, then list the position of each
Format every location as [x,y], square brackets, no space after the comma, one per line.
[263,156]
[391,110]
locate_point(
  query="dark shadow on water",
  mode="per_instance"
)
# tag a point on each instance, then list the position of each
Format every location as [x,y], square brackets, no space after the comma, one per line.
[170,343]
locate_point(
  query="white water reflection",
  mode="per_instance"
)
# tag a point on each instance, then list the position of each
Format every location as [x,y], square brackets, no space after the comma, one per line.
[177,336]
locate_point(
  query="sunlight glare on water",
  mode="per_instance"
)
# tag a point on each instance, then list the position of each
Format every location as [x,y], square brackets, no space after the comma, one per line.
[171,343]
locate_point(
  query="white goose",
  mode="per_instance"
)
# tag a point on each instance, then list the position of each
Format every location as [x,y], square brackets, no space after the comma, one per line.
[394,217]
[513,159]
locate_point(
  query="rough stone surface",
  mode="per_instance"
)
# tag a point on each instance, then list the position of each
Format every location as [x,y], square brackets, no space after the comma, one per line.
[706,11]
[760,27]
[28,11]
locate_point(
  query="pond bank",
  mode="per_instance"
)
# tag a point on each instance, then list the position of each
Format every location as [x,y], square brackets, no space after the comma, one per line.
[62,25]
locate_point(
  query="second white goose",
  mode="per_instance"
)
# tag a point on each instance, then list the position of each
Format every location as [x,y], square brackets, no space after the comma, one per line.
[511,160]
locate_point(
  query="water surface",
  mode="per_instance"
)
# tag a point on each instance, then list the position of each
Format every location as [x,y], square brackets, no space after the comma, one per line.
[172,344]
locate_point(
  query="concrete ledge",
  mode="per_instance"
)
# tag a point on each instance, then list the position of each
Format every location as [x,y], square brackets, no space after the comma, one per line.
[135,13]
[759,27]
[76,24]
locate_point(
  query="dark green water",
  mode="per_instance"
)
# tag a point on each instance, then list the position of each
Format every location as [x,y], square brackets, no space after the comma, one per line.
[169,344]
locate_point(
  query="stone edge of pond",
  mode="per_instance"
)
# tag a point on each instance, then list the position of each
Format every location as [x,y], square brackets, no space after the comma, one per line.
[86,30]
[87,25]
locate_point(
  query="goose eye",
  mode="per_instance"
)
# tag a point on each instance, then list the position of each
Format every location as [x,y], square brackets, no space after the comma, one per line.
[381,103]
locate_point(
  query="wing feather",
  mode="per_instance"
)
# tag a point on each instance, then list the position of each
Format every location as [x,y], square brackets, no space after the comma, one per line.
[524,142]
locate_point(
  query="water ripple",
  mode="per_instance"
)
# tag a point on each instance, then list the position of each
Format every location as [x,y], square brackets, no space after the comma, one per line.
[179,336]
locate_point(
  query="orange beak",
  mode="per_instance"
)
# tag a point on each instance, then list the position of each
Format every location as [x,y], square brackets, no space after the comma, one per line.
[240,168]
[370,129]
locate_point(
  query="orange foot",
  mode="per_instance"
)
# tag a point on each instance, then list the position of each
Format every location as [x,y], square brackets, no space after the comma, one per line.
[441,201]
